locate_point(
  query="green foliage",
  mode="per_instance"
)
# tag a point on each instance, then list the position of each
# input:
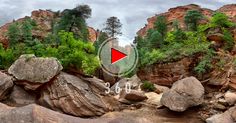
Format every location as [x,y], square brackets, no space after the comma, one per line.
[177,35]
[74,53]
[221,20]
[148,86]
[205,64]
[221,64]
[26,29]
[174,50]
[21,32]
[192,18]
[102,37]
[14,34]
[161,25]
[154,39]
[229,40]
[6,57]
[73,20]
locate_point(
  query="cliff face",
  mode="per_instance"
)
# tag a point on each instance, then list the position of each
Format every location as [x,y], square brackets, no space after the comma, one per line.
[229,10]
[44,19]
[178,13]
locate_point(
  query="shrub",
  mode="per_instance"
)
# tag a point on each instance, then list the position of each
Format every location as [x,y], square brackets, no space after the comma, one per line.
[221,20]
[148,86]
[205,64]
[74,53]
[229,40]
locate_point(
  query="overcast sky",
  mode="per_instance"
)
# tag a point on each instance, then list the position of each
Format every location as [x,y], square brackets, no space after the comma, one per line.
[132,13]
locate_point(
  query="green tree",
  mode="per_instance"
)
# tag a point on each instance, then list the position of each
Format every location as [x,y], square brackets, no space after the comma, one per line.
[13,34]
[113,26]
[101,38]
[221,20]
[155,39]
[74,20]
[161,25]
[178,33]
[27,32]
[75,53]
[192,18]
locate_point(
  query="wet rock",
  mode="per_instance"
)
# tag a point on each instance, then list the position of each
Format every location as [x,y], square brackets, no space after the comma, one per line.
[184,93]
[74,96]
[32,72]
[230,97]
[222,118]
[6,85]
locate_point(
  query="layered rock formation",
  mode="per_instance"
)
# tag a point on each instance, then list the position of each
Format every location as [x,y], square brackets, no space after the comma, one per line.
[179,12]
[36,114]
[6,85]
[84,97]
[73,96]
[168,73]
[173,14]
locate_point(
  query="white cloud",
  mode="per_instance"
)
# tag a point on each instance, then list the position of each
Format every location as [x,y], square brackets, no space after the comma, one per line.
[132,13]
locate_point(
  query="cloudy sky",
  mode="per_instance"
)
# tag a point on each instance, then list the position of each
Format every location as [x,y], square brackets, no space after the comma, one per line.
[132,13]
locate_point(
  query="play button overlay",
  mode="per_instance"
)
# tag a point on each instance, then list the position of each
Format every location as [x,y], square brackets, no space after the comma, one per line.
[117,58]
[116,55]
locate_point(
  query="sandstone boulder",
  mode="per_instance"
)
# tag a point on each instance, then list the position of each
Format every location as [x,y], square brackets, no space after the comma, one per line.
[6,85]
[230,97]
[225,117]
[32,72]
[133,82]
[135,96]
[183,94]
[153,98]
[37,114]
[74,96]
[161,89]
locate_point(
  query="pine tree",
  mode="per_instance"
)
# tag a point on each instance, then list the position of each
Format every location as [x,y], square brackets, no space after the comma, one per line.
[113,26]
[161,25]
[13,34]
[74,20]
[27,31]
[192,18]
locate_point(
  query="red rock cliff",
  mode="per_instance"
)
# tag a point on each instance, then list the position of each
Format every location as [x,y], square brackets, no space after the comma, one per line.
[178,13]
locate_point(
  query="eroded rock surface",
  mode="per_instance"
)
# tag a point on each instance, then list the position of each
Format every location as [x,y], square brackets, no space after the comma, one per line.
[226,117]
[6,85]
[36,114]
[20,97]
[32,72]
[74,96]
[183,94]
